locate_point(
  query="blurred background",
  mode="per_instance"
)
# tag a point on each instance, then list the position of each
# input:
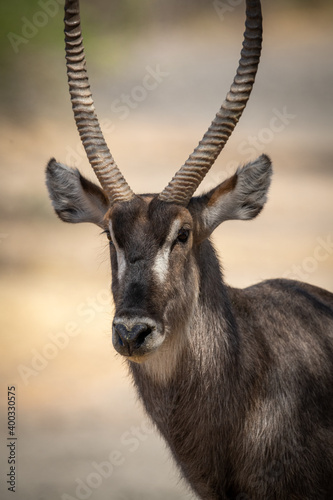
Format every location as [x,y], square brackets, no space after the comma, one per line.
[159,71]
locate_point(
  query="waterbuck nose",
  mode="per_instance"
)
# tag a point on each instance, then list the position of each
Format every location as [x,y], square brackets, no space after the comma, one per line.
[129,339]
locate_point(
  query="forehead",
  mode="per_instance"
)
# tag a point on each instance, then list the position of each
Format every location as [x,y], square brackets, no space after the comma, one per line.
[146,215]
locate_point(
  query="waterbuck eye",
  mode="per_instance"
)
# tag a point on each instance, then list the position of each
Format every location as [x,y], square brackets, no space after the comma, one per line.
[183,235]
[107,232]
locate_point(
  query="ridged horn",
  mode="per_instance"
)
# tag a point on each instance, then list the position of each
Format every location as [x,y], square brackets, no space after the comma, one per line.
[183,185]
[98,153]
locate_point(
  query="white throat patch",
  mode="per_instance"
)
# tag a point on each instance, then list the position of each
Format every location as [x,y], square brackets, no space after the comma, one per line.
[161,365]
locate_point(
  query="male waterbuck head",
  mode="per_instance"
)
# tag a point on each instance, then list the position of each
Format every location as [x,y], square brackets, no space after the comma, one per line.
[154,239]
[239,382]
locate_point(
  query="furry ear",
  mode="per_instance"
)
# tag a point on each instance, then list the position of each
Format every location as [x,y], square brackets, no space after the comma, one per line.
[74,198]
[241,197]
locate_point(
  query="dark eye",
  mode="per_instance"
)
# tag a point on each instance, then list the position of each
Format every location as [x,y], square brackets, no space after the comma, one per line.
[107,234]
[183,235]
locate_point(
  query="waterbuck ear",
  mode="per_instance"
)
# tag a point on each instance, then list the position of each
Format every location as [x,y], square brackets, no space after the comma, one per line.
[74,198]
[242,197]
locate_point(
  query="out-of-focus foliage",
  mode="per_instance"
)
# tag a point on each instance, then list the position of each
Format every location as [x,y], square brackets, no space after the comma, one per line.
[31,36]
[46,15]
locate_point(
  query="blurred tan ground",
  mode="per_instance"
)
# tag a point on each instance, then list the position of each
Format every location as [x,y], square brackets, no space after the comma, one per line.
[81,406]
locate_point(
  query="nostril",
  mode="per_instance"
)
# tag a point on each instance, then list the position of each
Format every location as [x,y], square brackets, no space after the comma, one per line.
[121,332]
[143,334]
[139,333]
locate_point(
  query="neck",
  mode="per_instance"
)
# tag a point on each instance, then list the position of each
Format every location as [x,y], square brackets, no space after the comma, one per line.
[196,402]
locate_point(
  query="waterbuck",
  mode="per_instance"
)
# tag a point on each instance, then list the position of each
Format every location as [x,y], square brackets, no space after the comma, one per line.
[239,382]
